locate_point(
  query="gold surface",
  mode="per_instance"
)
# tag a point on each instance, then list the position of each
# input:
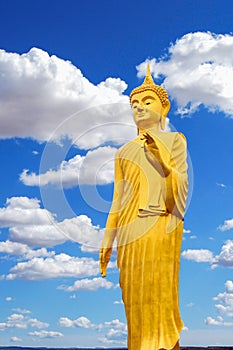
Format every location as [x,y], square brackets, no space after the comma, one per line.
[146,219]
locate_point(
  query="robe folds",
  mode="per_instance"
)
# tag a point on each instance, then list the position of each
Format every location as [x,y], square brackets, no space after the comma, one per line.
[146,218]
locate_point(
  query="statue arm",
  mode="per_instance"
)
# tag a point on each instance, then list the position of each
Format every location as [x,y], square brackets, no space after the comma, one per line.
[177,180]
[173,169]
[155,155]
[111,224]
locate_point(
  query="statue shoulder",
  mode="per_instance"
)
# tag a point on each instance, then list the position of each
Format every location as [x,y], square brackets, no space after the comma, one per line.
[120,151]
[173,140]
[167,138]
[181,138]
[172,135]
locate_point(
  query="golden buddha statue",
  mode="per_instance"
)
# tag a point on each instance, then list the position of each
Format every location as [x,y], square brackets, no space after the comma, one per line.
[146,218]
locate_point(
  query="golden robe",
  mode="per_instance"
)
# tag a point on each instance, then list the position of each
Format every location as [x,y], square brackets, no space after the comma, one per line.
[146,218]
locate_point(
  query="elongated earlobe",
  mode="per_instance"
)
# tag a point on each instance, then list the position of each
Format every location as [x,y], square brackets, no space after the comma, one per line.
[164,114]
[163,122]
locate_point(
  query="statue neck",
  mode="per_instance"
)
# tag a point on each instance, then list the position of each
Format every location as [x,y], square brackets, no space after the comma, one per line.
[153,130]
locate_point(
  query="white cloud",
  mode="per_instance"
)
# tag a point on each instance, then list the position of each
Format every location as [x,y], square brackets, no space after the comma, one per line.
[224,306]
[14,248]
[198,70]
[116,324]
[117,302]
[88,284]
[82,322]
[190,304]
[45,334]
[39,92]
[229,286]
[16,339]
[210,321]
[21,322]
[61,265]
[221,185]
[198,255]
[35,323]
[9,299]
[21,311]
[228,225]
[116,330]
[114,338]
[73,296]
[30,225]
[186,231]
[225,258]
[38,235]
[96,167]
[80,229]
[24,211]
[225,300]
[117,334]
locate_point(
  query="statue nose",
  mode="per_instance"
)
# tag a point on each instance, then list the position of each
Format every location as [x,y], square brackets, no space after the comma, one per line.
[140,108]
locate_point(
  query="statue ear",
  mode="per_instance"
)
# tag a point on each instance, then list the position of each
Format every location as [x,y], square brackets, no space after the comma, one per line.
[163,123]
[164,114]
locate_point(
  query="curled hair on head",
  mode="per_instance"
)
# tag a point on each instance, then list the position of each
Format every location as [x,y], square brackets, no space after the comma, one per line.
[149,84]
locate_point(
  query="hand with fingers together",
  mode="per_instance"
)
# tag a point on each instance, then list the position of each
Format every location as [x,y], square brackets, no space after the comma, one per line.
[154,155]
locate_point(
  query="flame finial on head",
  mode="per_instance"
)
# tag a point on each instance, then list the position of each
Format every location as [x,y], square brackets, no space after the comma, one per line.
[149,84]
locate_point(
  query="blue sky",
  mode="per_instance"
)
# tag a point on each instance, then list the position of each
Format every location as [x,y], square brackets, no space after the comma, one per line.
[66,70]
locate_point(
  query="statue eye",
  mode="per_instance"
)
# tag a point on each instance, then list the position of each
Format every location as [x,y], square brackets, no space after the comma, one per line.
[148,103]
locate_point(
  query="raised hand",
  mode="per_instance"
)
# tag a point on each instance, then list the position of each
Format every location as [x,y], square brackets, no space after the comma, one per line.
[154,155]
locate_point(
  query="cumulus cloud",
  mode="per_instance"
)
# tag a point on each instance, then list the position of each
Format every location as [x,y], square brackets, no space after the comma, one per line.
[225,300]
[88,284]
[117,302]
[96,167]
[16,339]
[21,311]
[22,322]
[115,330]
[224,258]
[14,248]
[30,225]
[186,231]
[191,304]
[117,333]
[40,92]
[198,255]
[219,321]
[24,211]
[45,334]
[221,185]
[229,286]
[82,322]
[9,299]
[224,306]
[61,265]
[228,225]
[198,70]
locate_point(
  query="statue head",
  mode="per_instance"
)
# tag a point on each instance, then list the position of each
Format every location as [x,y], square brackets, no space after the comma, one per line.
[152,97]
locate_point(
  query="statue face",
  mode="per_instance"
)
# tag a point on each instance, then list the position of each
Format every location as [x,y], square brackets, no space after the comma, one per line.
[147,109]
